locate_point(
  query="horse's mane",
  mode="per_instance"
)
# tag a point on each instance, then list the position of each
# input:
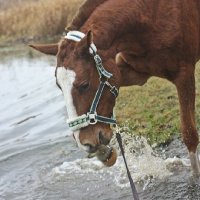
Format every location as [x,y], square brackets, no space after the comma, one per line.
[85,10]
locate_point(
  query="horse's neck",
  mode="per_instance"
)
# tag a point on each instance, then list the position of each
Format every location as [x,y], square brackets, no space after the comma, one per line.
[111,20]
[103,35]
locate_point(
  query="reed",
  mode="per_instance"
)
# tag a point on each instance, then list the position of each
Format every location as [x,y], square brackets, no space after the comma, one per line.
[36,18]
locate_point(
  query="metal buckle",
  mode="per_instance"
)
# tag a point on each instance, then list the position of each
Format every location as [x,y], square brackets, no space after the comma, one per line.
[113,89]
[108,84]
[98,60]
[92,117]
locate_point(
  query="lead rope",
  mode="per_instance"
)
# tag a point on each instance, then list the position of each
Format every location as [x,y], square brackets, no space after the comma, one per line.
[133,188]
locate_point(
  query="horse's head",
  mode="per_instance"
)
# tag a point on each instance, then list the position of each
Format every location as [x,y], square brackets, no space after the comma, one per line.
[89,92]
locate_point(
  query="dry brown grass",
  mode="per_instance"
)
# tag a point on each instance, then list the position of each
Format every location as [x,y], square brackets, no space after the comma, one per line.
[37,19]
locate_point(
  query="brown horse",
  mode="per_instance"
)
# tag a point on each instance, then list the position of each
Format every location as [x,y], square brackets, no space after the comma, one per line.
[136,39]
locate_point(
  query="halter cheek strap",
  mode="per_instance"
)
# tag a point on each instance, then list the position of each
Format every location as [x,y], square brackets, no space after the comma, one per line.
[92,117]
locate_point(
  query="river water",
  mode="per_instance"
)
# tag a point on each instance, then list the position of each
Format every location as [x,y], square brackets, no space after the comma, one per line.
[39,159]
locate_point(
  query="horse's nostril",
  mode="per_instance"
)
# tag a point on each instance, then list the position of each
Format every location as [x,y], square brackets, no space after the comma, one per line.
[103,139]
[91,149]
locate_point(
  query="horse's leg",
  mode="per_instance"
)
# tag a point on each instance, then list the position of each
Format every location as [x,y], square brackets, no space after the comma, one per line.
[185,84]
[83,13]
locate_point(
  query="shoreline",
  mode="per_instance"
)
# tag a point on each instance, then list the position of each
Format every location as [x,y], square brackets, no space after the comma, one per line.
[27,40]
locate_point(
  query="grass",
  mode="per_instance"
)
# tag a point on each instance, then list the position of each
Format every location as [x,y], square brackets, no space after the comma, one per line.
[153,109]
[34,19]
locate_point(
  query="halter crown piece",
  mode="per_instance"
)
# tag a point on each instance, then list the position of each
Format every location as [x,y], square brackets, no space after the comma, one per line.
[92,117]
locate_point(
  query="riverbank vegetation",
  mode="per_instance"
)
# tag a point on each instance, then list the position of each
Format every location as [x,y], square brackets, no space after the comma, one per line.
[24,20]
[151,110]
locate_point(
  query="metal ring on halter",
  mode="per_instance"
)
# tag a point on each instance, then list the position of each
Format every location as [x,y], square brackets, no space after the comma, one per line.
[92,118]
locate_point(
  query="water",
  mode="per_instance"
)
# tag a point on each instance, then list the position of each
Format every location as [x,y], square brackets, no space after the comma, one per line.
[39,160]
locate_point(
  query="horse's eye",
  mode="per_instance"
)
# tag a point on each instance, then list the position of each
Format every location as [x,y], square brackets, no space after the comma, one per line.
[84,87]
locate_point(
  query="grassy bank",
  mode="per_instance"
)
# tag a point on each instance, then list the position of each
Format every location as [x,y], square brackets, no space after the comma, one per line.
[153,109]
[24,20]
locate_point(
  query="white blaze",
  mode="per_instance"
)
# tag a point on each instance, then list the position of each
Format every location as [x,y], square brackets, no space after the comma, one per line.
[65,79]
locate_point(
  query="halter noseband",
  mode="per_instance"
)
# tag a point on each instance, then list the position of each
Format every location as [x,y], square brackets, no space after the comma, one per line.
[92,117]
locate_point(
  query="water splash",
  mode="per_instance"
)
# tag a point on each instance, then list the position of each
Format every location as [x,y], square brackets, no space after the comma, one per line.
[143,163]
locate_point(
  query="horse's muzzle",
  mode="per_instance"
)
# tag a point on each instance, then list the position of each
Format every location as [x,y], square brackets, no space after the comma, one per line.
[106,154]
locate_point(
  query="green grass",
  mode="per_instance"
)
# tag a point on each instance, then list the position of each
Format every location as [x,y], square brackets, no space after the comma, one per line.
[152,110]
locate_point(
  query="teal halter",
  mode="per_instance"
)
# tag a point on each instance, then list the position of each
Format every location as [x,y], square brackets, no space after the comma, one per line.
[92,117]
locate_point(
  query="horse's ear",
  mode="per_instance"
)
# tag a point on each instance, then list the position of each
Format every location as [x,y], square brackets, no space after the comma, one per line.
[128,75]
[50,49]
[85,43]
[89,38]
